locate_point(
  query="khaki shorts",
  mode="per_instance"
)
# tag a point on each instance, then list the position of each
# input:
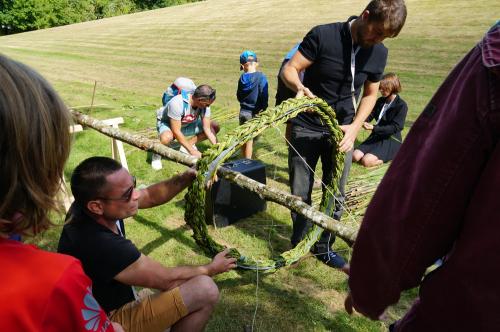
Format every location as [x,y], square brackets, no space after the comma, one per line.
[153,313]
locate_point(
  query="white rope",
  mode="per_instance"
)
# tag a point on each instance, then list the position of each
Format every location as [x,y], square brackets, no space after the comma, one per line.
[256,298]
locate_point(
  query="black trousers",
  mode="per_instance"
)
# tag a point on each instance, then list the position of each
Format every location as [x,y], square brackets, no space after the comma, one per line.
[311,146]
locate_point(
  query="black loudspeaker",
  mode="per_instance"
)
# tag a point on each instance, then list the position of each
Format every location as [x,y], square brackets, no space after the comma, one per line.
[227,203]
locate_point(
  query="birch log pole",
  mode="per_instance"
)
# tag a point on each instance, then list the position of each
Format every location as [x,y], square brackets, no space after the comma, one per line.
[283,198]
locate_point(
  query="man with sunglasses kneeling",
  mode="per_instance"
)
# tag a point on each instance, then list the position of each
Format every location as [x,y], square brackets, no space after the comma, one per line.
[105,194]
[188,114]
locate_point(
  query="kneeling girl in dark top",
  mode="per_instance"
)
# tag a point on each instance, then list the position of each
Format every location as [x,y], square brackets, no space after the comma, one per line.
[389,114]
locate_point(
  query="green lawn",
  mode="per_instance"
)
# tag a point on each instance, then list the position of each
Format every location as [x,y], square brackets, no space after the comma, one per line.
[134,57]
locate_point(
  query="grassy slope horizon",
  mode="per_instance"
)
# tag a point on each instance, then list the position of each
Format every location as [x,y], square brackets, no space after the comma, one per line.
[134,57]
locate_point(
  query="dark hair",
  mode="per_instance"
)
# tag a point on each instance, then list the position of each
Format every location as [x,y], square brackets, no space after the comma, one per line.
[89,178]
[34,146]
[391,12]
[204,91]
[390,81]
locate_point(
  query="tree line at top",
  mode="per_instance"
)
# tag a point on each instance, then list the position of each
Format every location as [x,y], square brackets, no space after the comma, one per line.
[26,15]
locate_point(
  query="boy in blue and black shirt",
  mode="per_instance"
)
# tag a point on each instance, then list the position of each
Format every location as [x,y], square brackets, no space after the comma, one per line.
[252,93]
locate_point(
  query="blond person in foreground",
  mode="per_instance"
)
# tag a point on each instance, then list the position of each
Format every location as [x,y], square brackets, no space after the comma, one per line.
[40,291]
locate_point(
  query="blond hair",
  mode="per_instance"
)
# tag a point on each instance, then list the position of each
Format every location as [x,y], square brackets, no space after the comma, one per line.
[34,146]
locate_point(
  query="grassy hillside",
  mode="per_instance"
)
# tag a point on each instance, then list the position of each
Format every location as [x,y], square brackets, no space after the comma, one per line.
[134,57]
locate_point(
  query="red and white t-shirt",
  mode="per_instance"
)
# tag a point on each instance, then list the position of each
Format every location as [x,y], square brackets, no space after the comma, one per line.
[43,291]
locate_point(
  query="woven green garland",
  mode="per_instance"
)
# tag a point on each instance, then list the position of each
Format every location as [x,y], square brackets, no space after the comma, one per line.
[218,153]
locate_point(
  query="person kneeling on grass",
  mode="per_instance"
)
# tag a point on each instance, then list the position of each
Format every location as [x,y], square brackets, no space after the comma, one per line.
[188,114]
[390,114]
[105,194]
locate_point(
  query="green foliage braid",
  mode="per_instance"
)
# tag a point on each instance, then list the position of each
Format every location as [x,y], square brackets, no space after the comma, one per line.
[272,117]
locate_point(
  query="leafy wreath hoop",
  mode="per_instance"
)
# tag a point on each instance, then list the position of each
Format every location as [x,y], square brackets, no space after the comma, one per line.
[214,156]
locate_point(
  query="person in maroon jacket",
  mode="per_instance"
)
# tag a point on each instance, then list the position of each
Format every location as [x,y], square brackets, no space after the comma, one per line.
[440,197]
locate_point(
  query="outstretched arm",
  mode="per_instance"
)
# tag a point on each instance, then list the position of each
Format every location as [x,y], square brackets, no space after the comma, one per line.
[164,191]
[207,129]
[176,125]
[147,272]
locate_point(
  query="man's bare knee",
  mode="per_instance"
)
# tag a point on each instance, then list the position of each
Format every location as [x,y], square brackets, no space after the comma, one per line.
[199,292]
[166,137]
[207,286]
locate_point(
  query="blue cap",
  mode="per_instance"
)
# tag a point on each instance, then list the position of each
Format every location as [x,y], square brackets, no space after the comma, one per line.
[247,56]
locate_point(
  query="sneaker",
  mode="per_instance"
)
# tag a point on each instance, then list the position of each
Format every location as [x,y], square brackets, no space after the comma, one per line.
[330,258]
[184,150]
[156,162]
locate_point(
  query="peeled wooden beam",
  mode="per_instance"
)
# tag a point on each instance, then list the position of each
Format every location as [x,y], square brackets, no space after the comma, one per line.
[136,140]
[283,198]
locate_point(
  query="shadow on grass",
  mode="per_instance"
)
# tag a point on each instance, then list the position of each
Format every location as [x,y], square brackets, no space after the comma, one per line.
[165,235]
[263,227]
[275,301]
[272,169]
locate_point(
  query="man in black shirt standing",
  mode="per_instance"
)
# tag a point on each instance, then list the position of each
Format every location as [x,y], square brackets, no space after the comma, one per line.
[331,55]
[105,194]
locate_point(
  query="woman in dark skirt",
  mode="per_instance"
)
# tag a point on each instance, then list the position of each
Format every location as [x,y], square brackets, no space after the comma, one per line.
[389,114]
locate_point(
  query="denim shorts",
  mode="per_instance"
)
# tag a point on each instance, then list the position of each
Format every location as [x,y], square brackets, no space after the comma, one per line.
[191,129]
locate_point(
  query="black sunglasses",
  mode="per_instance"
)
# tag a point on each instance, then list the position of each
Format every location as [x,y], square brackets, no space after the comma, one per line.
[126,197]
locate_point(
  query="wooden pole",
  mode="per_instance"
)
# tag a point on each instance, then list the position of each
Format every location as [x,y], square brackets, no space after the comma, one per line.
[93,96]
[283,198]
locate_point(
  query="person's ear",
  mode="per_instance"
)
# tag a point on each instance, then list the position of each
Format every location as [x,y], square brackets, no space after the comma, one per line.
[96,207]
[365,14]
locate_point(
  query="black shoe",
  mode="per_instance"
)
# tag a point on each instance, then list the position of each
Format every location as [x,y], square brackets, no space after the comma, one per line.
[330,258]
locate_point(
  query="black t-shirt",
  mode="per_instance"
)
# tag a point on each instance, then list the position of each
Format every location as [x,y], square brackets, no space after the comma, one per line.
[103,254]
[329,77]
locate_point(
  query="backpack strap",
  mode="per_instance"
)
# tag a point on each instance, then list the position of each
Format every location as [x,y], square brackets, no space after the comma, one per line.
[185,102]
[175,89]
